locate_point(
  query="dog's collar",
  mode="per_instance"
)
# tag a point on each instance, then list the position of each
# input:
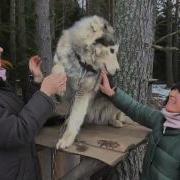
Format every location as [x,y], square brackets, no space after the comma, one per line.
[85,66]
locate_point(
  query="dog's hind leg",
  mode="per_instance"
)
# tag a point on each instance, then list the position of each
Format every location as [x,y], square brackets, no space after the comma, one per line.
[117,120]
[75,120]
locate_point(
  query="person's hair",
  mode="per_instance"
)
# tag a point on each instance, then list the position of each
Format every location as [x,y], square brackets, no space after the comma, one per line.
[174,87]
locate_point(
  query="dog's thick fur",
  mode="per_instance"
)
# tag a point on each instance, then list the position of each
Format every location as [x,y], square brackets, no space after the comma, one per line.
[82,52]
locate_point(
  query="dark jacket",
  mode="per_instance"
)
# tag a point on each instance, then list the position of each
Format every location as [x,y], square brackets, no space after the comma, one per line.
[19,124]
[162,159]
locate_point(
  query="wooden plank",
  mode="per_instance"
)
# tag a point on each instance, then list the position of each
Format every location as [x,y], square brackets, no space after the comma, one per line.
[104,143]
[45,159]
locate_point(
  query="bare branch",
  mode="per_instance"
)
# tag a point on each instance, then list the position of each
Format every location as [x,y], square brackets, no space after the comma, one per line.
[161,22]
[161,48]
[166,36]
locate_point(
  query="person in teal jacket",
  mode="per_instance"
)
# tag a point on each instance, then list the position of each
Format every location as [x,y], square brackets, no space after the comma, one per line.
[162,158]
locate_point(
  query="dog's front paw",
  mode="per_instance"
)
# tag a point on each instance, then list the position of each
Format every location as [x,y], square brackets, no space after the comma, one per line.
[66,141]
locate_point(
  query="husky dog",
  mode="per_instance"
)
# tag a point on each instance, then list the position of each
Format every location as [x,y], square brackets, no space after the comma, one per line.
[82,52]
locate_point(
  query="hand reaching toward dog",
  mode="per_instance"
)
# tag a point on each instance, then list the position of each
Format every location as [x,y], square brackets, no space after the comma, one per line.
[105,85]
[35,63]
[53,84]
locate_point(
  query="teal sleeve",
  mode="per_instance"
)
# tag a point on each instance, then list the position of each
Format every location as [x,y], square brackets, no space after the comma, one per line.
[138,112]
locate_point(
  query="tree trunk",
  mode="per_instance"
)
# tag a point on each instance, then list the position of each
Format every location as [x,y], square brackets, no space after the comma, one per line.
[134,29]
[177,43]
[22,30]
[44,33]
[169,55]
[111,4]
[52,20]
[13,31]
[88,4]
[104,8]
[134,24]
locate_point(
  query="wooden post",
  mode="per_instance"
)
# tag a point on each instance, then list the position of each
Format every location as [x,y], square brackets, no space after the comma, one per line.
[127,156]
[84,170]
[45,159]
[64,162]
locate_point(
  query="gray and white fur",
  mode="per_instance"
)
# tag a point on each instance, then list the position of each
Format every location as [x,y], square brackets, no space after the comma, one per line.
[82,52]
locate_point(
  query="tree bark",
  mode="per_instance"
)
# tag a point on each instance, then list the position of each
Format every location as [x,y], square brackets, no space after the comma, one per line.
[169,55]
[104,8]
[134,25]
[22,30]
[134,30]
[43,25]
[13,31]
[111,11]
[52,21]
[176,60]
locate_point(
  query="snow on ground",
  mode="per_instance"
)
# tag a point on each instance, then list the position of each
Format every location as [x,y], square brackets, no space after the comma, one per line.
[160,90]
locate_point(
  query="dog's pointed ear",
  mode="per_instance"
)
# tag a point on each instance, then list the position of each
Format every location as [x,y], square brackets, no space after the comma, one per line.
[116,48]
[94,24]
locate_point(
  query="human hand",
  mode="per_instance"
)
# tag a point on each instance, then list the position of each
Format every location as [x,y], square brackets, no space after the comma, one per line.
[35,63]
[105,85]
[53,84]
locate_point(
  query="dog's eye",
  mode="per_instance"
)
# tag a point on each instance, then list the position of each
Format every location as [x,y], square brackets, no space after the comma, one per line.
[112,51]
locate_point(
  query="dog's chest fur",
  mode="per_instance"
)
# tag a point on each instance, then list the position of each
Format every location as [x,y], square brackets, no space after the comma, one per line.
[81,75]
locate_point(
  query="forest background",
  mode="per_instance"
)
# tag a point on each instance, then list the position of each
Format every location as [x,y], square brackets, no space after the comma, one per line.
[148,33]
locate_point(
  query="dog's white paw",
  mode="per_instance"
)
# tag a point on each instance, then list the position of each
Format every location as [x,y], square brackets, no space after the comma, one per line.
[66,141]
[117,120]
[116,123]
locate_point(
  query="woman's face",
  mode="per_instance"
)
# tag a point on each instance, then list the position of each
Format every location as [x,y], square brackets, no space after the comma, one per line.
[173,104]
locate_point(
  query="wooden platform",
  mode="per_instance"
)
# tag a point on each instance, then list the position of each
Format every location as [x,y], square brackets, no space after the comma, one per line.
[104,143]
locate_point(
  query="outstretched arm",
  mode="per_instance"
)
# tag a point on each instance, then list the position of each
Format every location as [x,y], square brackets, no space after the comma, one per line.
[140,113]
[19,128]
